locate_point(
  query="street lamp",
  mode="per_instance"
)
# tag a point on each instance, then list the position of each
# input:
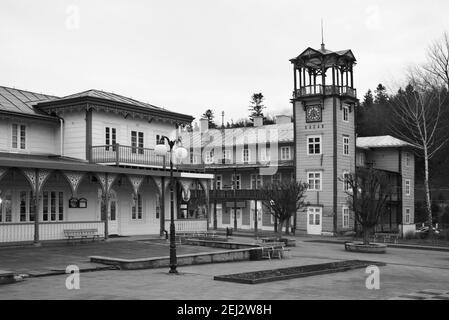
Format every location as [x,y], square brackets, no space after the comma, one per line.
[176,152]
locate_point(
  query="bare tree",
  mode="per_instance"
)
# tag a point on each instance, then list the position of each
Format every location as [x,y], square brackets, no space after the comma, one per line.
[437,65]
[420,118]
[283,200]
[368,191]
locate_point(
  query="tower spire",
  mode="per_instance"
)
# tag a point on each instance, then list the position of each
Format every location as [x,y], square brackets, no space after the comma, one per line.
[322,36]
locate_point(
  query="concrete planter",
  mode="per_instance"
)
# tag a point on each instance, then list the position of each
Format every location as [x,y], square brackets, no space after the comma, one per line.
[369,248]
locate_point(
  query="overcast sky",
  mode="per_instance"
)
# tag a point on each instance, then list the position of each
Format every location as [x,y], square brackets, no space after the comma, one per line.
[188,56]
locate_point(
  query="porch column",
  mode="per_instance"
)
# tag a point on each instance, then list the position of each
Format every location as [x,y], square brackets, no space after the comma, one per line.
[255,207]
[206,187]
[37,179]
[162,218]
[215,201]
[35,196]
[106,181]
[161,184]
[106,211]
[235,199]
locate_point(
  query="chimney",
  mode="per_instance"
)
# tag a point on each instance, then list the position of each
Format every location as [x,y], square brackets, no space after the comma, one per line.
[283,119]
[204,125]
[258,121]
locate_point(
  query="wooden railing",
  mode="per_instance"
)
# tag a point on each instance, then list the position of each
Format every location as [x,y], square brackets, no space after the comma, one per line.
[325,90]
[24,232]
[229,195]
[127,155]
[188,225]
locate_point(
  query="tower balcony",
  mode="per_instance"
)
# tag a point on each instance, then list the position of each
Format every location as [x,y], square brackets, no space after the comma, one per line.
[320,90]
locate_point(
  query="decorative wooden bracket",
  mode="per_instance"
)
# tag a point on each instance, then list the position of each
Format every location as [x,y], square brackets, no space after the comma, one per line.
[106,184]
[158,182]
[36,178]
[136,182]
[74,178]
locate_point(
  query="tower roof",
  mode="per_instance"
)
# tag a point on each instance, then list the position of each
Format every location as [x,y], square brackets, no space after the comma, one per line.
[314,58]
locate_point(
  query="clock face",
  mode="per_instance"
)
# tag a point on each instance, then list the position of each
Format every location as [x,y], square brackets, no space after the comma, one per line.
[313,113]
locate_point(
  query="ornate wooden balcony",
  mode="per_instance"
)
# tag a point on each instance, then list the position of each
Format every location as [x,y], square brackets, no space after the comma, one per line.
[317,90]
[122,155]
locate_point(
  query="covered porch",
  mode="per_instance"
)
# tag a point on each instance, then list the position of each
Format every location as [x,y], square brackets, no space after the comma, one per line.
[41,197]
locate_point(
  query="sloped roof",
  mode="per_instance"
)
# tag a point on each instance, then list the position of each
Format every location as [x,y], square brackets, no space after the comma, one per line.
[282,133]
[22,101]
[117,102]
[311,52]
[381,142]
[111,97]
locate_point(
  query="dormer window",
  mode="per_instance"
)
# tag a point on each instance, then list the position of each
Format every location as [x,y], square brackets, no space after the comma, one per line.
[18,136]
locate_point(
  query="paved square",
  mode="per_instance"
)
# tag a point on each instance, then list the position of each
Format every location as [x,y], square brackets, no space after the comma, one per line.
[408,273]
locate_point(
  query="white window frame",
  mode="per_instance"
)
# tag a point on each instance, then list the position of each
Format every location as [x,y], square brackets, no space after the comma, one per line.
[219,182]
[47,207]
[265,154]
[18,138]
[209,156]
[407,215]
[6,207]
[345,183]
[138,145]
[346,143]
[314,178]
[110,137]
[345,214]
[314,211]
[408,187]
[227,155]
[246,154]
[137,207]
[314,144]
[287,153]
[236,180]
[257,179]
[278,174]
[345,114]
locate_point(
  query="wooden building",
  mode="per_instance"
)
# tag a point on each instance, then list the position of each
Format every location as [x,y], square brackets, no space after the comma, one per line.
[87,161]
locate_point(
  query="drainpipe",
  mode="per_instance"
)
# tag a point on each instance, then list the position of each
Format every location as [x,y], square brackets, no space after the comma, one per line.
[61,121]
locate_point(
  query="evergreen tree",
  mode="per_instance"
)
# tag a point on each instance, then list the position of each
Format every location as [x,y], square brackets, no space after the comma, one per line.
[209,115]
[381,95]
[368,99]
[256,107]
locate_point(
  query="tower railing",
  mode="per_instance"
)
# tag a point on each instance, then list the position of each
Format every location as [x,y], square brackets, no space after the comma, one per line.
[319,89]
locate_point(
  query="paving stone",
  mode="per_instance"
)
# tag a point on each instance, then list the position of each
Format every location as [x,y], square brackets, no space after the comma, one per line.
[406,272]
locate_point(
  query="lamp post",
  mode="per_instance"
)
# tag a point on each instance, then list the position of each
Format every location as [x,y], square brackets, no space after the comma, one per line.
[180,153]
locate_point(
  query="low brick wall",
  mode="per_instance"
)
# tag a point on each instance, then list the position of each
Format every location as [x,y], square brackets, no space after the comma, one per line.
[252,253]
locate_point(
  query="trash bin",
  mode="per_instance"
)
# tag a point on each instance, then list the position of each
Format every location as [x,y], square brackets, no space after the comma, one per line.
[228,232]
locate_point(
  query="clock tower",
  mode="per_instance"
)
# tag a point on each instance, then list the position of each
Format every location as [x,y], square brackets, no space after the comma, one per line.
[324,99]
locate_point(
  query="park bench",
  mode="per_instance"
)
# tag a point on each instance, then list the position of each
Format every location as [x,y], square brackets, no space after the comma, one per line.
[274,251]
[386,237]
[81,234]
